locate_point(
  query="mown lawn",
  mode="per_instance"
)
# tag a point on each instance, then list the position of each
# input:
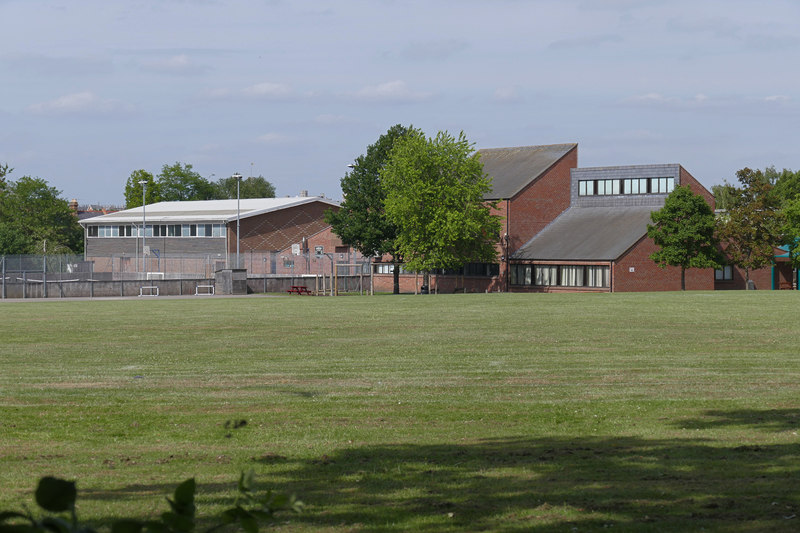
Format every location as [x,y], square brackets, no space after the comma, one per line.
[498,412]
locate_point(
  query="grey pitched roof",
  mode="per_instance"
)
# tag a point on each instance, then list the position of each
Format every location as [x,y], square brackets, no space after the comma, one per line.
[511,169]
[205,210]
[588,234]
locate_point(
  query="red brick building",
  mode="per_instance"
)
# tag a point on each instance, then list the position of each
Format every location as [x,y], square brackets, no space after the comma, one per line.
[570,229]
[201,237]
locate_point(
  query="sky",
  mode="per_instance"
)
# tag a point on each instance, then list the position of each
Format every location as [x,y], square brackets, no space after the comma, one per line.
[92,90]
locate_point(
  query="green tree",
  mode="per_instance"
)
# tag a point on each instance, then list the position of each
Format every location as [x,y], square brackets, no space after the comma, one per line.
[435,191]
[34,219]
[791,229]
[252,187]
[179,183]
[723,195]
[133,189]
[787,184]
[4,171]
[751,228]
[684,231]
[361,220]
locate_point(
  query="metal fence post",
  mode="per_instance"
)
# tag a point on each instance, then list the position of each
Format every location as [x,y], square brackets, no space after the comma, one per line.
[44,276]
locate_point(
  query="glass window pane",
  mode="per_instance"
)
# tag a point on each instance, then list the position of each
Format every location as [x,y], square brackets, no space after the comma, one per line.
[615,186]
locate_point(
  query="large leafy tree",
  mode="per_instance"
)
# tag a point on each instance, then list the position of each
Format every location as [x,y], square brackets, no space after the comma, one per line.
[178,182]
[252,187]
[791,229]
[34,219]
[752,226]
[435,191]
[684,231]
[133,189]
[361,220]
[787,183]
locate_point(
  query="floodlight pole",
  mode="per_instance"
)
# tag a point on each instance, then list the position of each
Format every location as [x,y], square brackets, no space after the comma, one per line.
[143,183]
[238,178]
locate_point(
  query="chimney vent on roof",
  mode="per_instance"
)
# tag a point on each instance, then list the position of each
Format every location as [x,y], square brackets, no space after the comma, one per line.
[304,194]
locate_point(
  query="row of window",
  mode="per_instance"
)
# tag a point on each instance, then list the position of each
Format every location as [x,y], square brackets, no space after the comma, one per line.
[473,269]
[626,186]
[159,230]
[561,275]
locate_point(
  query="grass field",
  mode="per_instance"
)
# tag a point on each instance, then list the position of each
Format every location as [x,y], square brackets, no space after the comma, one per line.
[629,412]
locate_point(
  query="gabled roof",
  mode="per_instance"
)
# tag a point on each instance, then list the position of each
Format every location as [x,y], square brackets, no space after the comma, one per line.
[511,169]
[220,211]
[589,234]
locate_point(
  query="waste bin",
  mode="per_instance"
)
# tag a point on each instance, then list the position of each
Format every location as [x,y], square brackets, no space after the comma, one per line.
[423,289]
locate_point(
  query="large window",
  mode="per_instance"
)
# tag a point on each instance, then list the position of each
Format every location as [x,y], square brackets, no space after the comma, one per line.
[724,274]
[561,275]
[608,187]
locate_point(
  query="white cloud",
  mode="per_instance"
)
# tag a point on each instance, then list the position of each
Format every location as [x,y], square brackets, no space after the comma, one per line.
[179,64]
[673,102]
[80,103]
[268,90]
[777,98]
[435,50]
[273,138]
[590,41]
[506,95]
[332,120]
[393,91]
[259,91]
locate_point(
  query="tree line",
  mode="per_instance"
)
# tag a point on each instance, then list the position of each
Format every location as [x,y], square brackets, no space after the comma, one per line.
[178,182]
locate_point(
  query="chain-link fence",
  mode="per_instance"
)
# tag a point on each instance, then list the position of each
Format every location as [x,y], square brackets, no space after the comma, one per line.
[43,276]
[257,264]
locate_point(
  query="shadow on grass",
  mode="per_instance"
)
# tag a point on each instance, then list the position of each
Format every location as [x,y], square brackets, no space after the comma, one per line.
[769,419]
[543,484]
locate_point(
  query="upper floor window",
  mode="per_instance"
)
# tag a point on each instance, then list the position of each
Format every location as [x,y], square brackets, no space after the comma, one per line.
[159,230]
[608,187]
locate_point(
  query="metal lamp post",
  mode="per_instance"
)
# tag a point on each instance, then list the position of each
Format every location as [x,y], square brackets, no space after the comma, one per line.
[238,178]
[143,183]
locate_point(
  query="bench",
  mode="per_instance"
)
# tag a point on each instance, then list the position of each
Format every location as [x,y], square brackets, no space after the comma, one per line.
[209,290]
[299,289]
[150,288]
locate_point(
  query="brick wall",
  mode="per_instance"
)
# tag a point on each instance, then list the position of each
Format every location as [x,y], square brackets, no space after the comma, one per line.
[762,278]
[648,276]
[409,283]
